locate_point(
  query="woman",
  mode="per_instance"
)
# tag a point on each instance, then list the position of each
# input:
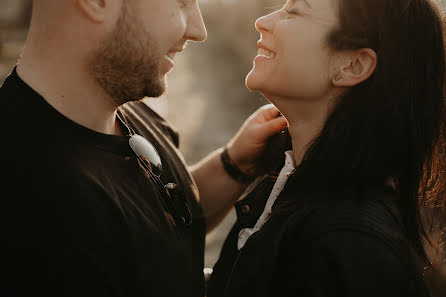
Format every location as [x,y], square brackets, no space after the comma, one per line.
[362,86]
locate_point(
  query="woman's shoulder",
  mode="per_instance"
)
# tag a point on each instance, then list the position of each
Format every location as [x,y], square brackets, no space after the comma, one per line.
[375,220]
[376,209]
[349,246]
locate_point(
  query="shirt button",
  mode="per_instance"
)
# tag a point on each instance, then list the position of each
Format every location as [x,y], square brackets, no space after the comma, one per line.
[245,209]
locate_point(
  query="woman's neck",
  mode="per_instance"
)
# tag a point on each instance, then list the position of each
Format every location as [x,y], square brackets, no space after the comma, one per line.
[302,134]
[305,121]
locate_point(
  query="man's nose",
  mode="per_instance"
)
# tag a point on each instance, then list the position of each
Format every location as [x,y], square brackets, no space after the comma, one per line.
[196,29]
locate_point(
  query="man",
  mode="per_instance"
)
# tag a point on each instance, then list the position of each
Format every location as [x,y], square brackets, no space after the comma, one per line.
[82,213]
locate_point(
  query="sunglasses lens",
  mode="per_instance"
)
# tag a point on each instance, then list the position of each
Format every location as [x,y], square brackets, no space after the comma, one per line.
[179,204]
[147,152]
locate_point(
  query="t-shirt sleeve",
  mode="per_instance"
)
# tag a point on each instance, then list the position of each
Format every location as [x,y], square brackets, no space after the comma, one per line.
[342,263]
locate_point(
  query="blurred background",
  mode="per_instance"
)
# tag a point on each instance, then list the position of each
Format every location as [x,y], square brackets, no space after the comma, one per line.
[207,100]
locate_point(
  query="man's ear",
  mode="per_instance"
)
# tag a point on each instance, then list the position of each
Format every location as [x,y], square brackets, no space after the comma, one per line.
[94,10]
[355,67]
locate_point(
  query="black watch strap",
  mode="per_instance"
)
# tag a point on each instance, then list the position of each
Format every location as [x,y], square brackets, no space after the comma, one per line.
[233,170]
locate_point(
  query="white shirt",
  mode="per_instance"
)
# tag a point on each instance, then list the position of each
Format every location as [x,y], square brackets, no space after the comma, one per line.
[289,166]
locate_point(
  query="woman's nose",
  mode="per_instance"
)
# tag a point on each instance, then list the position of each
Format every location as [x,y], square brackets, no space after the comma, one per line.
[266,23]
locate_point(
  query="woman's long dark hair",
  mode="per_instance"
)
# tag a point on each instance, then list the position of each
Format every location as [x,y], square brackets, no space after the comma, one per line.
[393,124]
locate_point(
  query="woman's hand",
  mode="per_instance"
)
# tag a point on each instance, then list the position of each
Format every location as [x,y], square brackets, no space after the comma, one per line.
[247,147]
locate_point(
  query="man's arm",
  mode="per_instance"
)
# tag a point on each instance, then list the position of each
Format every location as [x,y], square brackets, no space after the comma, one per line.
[218,190]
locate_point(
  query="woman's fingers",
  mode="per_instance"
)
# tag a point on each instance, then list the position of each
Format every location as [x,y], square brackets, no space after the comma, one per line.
[266,113]
[274,126]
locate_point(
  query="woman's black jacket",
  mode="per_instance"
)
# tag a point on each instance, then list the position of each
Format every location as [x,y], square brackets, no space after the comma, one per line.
[342,246]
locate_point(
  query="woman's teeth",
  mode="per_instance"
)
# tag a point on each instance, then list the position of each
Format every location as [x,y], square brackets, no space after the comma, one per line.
[266,53]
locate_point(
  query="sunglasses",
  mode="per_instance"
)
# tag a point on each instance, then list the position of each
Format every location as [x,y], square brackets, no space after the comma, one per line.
[174,197]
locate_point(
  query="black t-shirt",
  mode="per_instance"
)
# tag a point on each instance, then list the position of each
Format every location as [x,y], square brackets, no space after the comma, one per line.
[80,216]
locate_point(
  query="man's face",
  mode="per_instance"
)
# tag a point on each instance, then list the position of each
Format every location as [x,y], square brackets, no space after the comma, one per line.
[134,59]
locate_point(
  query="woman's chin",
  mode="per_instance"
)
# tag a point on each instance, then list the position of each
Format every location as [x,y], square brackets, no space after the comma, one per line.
[252,82]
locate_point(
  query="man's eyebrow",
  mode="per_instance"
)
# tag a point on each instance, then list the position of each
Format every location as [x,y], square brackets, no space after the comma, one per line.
[306,2]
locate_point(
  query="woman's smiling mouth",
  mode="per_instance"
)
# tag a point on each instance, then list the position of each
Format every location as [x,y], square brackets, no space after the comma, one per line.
[266,53]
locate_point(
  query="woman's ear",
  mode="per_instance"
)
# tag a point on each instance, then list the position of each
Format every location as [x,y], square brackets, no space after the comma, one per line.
[94,10]
[355,66]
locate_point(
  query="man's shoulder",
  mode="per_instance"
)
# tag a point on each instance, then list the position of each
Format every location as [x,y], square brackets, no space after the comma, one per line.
[143,118]
[23,110]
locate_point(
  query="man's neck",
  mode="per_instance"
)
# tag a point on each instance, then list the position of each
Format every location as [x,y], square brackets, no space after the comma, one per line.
[71,91]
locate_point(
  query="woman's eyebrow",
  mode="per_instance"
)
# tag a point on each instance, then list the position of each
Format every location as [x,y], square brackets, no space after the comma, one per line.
[306,2]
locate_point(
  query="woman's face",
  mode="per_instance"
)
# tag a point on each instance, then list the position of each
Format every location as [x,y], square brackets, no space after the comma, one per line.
[293,58]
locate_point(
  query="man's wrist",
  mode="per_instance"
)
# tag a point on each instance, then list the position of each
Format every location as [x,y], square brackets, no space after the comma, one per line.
[233,170]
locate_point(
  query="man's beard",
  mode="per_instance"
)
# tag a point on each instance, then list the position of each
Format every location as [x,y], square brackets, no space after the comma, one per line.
[126,66]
